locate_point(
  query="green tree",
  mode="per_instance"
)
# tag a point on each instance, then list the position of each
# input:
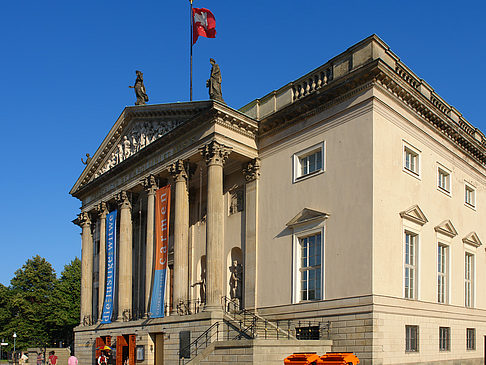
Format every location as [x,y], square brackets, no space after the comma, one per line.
[65,303]
[29,302]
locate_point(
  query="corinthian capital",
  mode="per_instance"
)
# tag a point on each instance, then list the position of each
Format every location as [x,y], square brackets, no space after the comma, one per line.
[122,200]
[84,219]
[215,153]
[102,210]
[150,184]
[251,170]
[179,170]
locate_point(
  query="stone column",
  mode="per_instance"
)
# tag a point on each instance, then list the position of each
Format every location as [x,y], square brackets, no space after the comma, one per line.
[125,258]
[102,211]
[251,171]
[150,187]
[180,172]
[215,155]
[86,269]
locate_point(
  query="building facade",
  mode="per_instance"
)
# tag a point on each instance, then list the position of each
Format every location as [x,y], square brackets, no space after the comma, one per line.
[343,211]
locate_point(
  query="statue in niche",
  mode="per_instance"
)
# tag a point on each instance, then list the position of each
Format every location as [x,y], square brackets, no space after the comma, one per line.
[202,285]
[236,202]
[139,87]
[236,282]
[214,82]
[88,159]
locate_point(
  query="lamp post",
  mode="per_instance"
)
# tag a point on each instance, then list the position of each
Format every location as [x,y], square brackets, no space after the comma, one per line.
[15,357]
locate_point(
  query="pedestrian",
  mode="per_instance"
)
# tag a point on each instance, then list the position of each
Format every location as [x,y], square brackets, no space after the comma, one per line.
[39,358]
[73,360]
[52,358]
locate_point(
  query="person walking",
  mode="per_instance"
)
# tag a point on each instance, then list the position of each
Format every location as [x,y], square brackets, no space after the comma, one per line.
[73,360]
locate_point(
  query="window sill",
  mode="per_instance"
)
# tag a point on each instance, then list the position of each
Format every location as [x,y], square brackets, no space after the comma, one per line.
[412,173]
[305,177]
[444,191]
[473,207]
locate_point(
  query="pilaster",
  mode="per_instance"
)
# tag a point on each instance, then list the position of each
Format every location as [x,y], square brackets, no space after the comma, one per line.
[101,210]
[84,220]
[251,172]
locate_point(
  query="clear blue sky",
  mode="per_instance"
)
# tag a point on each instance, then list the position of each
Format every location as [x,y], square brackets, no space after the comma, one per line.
[67,66]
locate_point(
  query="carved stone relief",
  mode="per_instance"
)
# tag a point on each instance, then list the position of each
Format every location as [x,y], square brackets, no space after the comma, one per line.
[140,136]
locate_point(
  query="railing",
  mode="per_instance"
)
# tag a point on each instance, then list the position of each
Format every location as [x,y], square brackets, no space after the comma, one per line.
[188,307]
[313,82]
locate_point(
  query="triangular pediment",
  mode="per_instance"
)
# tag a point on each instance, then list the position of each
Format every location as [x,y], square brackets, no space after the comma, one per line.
[472,239]
[307,216]
[446,227]
[135,129]
[414,214]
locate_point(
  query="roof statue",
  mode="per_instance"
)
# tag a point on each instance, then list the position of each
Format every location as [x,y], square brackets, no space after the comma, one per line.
[214,82]
[88,159]
[140,91]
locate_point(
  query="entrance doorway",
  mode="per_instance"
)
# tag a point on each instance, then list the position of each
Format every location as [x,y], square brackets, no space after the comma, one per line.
[159,348]
[125,349]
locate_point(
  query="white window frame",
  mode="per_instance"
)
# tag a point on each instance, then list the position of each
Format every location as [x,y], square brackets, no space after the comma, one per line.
[408,339]
[444,342]
[415,172]
[413,293]
[472,190]
[469,279]
[441,170]
[470,342]
[443,275]
[298,234]
[297,159]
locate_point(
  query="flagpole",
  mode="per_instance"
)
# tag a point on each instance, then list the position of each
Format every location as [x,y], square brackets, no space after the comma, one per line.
[192,31]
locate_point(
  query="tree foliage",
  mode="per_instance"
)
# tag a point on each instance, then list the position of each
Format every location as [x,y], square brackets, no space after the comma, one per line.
[41,309]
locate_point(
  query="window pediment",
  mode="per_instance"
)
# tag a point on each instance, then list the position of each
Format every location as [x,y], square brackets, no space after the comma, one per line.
[446,227]
[307,216]
[472,239]
[414,214]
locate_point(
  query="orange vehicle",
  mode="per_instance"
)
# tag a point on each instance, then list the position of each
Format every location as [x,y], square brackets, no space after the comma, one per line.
[341,358]
[301,358]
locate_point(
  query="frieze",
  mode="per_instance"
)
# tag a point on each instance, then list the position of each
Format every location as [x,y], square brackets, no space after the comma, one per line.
[141,135]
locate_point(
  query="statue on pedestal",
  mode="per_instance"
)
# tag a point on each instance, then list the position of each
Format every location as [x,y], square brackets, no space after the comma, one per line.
[214,82]
[139,87]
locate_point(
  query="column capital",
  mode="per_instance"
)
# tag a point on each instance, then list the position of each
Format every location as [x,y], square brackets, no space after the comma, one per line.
[215,153]
[122,200]
[150,184]
[101,209]
[251,170]
[179,171]
[83,219]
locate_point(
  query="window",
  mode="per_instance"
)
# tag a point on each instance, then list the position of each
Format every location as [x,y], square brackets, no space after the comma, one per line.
[444,180]
[469,279]
[470,196]
[310,267]
[442,273]
[444,338]
[411,338]
[309,162]
[411,160]
[410,265]
[470,338]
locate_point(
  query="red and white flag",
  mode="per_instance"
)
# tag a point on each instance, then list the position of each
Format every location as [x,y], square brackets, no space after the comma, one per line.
[203,24]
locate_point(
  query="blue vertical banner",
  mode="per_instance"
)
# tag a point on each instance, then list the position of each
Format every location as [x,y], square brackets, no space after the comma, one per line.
[162,214]
[110,267]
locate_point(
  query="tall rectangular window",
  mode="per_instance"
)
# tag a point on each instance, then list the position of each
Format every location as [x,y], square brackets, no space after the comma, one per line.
[310,267]
[442,272]
[410,265]
[310,163]
[470,196]
[410,160]
[411,338]
[470,338]
[444,338]
[468,279]
[444,180]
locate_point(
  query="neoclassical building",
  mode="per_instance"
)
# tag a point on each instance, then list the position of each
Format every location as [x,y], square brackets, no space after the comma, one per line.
[342,212]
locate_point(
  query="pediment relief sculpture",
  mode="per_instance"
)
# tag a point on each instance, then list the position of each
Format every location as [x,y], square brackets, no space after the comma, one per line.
[137,138]
[472,239]
[414,214]
[446,227]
